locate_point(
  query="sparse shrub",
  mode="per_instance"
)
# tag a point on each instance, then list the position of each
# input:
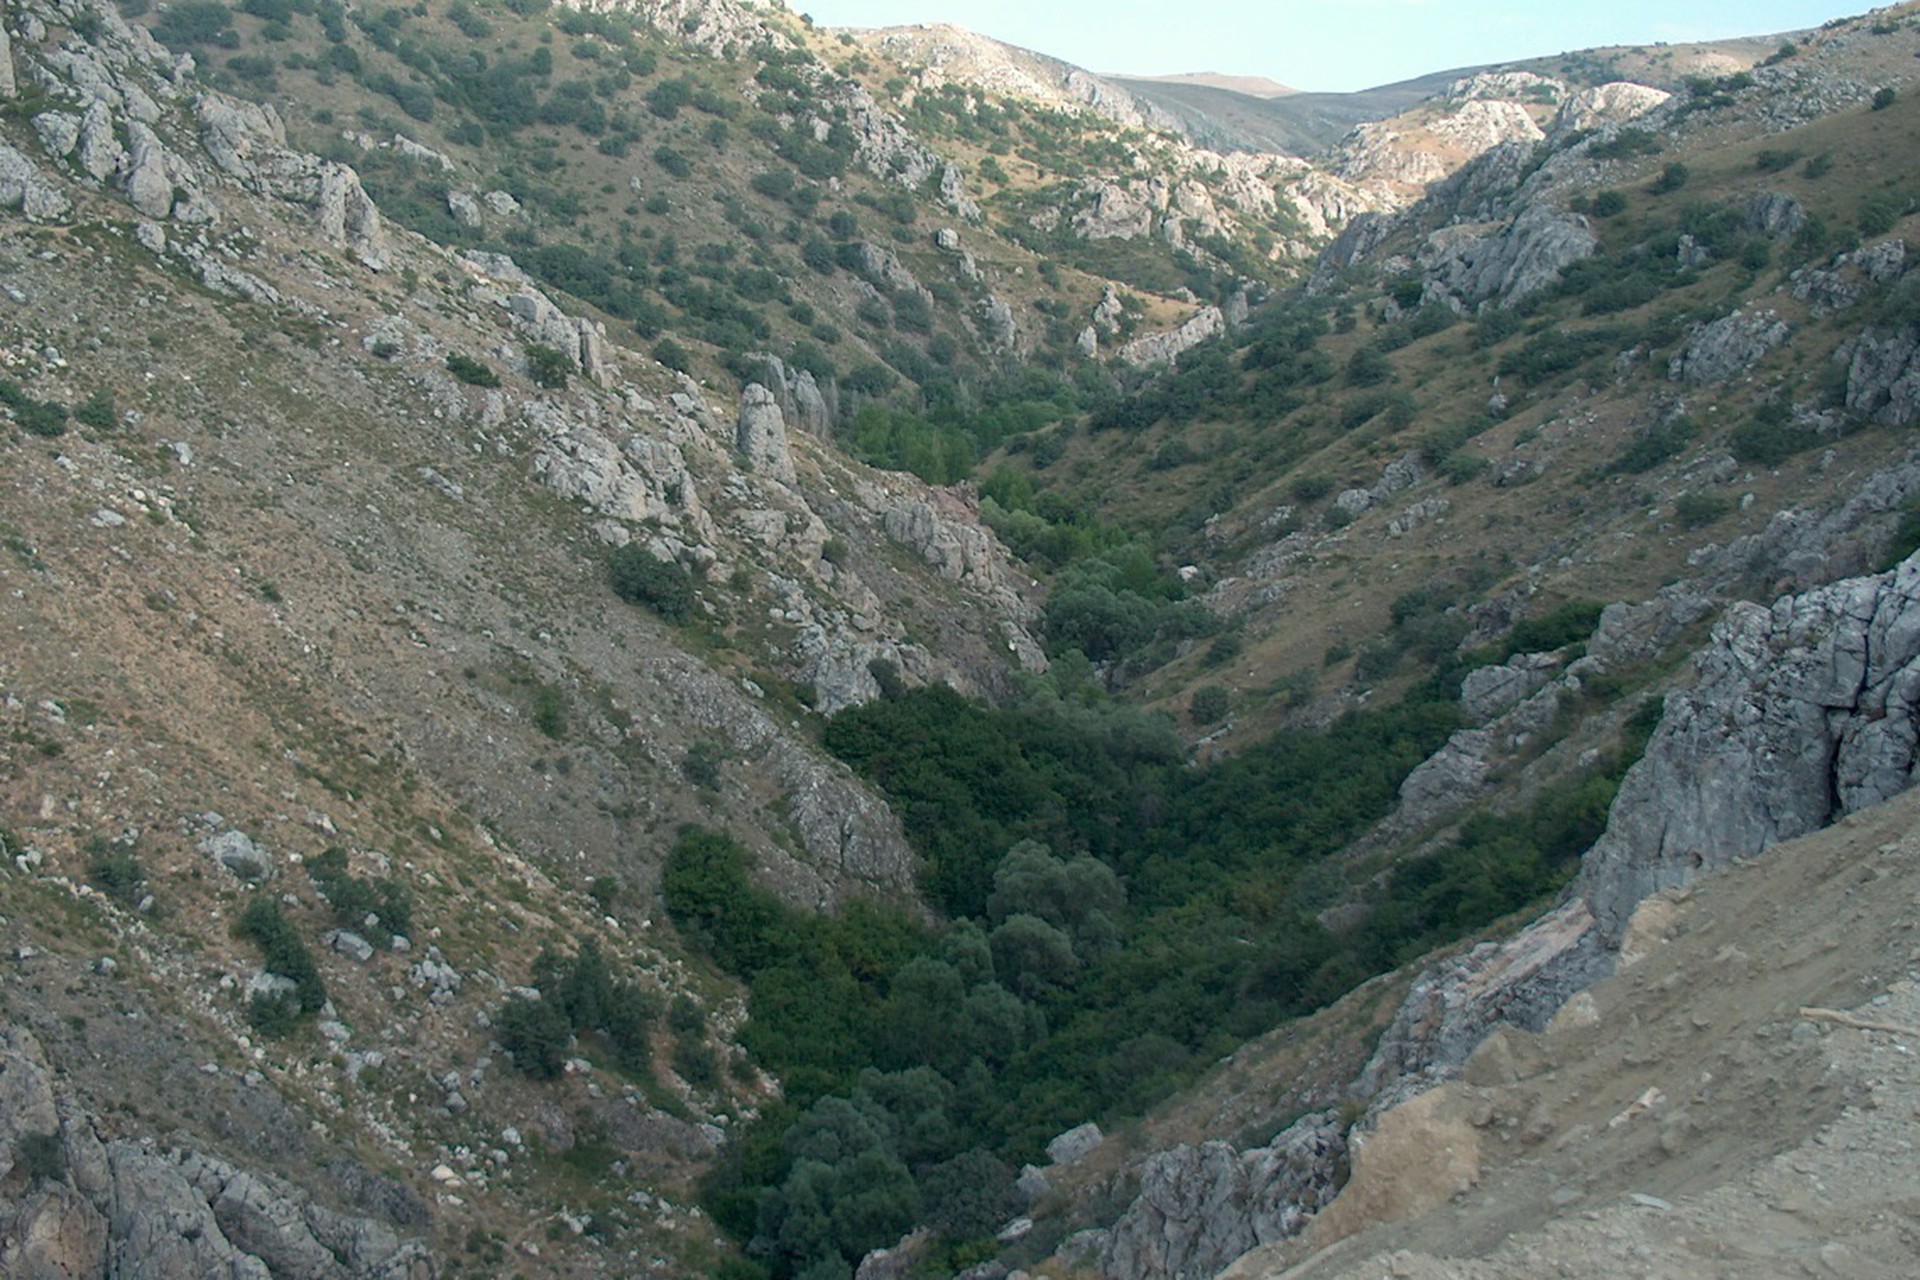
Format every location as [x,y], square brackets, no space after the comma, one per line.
[196,22]
[1818,167]
[1210,704]
[42,1157]
[547,367]
[701,764]
[1884,97]
[356,898]
[673,355]
[1652,447]
[696,1063]
[1368,367]
[536,1034]
[1671,179]
[1770,438]
[286,956]
[639,577]
[36,417]
[1695,510]
[115,870]
[1607,204]
[471,371]
[674,162]
[1311,487]
[1627,143]
[98,411]
[1774,159]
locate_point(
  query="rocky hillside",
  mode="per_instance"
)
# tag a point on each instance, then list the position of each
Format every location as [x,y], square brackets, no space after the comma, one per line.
[647,640]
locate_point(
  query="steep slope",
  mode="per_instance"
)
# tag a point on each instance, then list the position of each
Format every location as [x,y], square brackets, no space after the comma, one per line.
[1714,1108]
[326,717]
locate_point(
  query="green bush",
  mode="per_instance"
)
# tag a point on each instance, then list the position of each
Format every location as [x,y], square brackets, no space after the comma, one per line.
[1607,204]
[197,22]
[639,577]
[1671,179]
[356,899]
[1770,438]
[36,417]
[115,870]
[98,411]
[547,367]
[1884,97]
[1696,510]
[286,956]
[1209,704]
[536,1034]
[471,371]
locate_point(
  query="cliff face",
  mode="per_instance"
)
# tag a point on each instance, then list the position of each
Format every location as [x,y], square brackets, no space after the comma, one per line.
[1799,714]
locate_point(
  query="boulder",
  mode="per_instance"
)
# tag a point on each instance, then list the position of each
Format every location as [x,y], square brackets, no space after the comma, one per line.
[234,852]
[1075,1144]
[1776,215]
[1489,691]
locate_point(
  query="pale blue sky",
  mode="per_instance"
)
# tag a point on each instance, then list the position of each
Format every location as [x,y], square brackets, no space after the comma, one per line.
[1324,44]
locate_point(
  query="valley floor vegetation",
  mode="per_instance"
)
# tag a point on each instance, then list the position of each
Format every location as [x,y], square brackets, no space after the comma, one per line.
[1113,920]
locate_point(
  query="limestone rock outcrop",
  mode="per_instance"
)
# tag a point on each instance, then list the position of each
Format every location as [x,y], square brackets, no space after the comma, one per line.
[761,434]
[1729,346]
[1201,1207]
[1801,713]
[1167,347]
[84,1209]
[1883,375]
[1515,260]
[1613,103]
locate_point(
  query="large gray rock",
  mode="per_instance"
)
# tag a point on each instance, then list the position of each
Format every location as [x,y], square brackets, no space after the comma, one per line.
[1169,346]
[761,434]
[1457,1003]
[957,550]
[1515,260]
[24,187]
[1075,1144]
[96,150]
[1201,1207]
[1729,346]
[1883,374]
[1488,691]
[8,86]
[1800,713]
[136,1210]
[1775,214]
[236,853]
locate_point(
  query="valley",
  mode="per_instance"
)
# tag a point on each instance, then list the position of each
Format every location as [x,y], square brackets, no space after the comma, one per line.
[646,639]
